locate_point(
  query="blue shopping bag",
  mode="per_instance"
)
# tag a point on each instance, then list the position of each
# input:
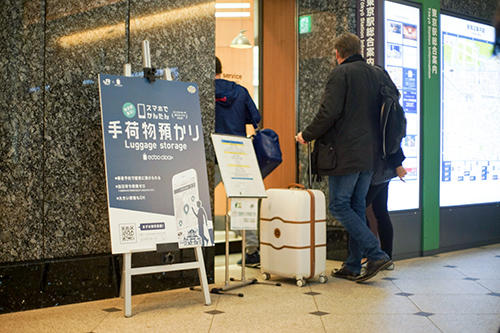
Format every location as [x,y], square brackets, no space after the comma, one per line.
[267,149]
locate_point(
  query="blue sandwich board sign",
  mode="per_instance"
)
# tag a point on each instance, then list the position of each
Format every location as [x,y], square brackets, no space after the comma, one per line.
[155,164]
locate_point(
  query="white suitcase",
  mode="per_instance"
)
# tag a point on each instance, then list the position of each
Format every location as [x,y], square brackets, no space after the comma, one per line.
[293,234]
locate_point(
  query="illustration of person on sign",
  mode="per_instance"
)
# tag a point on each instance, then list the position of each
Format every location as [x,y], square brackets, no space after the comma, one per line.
[204,229]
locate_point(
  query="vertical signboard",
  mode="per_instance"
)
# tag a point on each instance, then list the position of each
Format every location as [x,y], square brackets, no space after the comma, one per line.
[470,113]
[155,164]
[430,124]
[368,29]
[402,62]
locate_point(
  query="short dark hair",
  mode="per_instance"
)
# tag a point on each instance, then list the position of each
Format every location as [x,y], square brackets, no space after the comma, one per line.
[347,44]
[218,66]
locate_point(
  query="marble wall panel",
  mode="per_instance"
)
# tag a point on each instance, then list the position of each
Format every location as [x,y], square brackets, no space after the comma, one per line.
[329,18]
[484,9]
[21,128]
[181,33]
[80,44]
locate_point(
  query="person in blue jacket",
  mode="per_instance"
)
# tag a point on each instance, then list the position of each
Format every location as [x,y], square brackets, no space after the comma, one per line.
[234,108]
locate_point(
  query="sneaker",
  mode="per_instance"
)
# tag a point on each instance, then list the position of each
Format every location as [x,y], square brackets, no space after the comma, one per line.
[373,267]
[344,273]
[390,267]
[251,260]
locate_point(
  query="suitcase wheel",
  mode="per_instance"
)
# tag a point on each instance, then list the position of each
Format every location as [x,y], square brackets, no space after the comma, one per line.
[323,278]
[266,276]
[301,282]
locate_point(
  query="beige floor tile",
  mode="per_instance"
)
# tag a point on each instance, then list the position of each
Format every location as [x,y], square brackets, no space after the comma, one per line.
[375,286]
[81,317]
[491,284]
[168,311]
[158,321]
[458,304]
[267,308]
[175,299]
[278,319]
[426,272]
[471,263]
[477,323]
[481,270]
[259,297]
[448,286]
[365,304]
[371,323]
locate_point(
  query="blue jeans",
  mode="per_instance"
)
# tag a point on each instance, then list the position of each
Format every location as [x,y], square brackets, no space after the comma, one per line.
[348,205]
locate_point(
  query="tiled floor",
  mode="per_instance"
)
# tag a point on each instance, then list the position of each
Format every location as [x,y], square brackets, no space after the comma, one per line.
[451,292]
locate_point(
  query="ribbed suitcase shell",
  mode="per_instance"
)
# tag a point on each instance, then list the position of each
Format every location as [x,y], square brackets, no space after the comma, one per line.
[285,233]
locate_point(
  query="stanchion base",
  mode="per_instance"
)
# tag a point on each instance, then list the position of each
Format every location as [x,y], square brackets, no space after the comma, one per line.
[224,290]
[277,284]
[219,291]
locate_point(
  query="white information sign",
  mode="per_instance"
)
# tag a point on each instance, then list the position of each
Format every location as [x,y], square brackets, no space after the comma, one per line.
[402,62]
[244,213]
[238,166]
[470,113]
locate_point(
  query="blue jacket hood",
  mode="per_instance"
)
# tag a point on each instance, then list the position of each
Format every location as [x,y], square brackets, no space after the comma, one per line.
[234,108]
[226,92]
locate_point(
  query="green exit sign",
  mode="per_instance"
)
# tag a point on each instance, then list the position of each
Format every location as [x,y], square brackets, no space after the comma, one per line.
[305,23]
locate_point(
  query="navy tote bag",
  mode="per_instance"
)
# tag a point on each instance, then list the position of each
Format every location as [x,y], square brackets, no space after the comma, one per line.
[267,149]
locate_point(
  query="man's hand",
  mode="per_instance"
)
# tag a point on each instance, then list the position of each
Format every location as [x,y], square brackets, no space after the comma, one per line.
[401,172]
[300,139]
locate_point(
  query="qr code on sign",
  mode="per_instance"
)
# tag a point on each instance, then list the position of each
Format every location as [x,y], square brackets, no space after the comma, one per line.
[128,233]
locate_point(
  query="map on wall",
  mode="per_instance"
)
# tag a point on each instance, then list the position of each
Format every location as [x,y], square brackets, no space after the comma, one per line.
[470,114]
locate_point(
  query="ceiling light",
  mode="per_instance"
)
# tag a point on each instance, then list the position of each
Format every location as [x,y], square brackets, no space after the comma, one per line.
[241,41]
[232,5]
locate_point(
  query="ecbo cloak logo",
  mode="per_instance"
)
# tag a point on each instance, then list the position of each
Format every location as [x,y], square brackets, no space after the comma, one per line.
[129,110]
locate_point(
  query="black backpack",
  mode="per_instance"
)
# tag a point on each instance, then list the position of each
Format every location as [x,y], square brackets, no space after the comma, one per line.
[392,116]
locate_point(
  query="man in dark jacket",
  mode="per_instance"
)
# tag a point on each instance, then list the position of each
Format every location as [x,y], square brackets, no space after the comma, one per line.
[346,129]
[234,108]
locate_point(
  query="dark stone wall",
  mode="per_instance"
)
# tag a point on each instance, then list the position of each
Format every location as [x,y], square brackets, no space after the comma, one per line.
[53,189]
[54,234]
[483,10]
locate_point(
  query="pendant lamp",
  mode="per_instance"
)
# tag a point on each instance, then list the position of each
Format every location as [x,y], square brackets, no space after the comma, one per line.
[241,41]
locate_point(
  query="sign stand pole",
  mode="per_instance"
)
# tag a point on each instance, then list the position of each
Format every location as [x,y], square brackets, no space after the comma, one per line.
[244,281]
[127,270]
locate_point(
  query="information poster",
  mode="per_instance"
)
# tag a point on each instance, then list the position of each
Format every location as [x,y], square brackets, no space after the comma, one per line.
[402,62]
[244,213]
[155,164]
[238,166]
[470,113]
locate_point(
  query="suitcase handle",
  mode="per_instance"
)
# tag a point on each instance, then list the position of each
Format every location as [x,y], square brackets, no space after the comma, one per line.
[295,185]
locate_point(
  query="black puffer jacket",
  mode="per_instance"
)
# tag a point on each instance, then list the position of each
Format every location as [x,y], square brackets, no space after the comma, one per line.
[348,118]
